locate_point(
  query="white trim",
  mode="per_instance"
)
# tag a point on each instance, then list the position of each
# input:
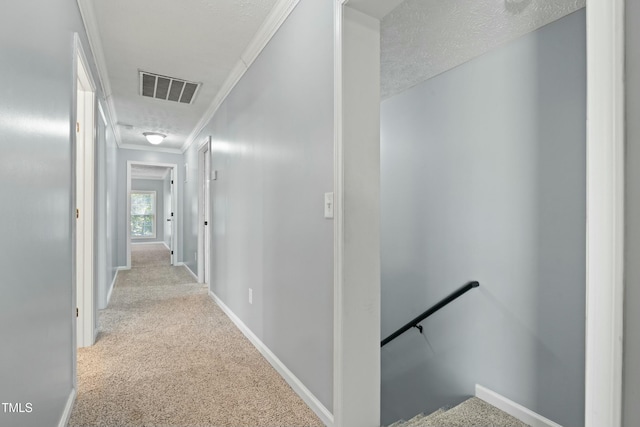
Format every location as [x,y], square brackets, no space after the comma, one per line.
[165,245]
[104,117]
[95,43]
[338,219]
[84,143]
[316,406]
[268,29]
[356,364]
[113,284]
[174,208]
[66,413]
[278,15]
[156,242]
[605,213]
[203,186]
[514,409]
[182,264]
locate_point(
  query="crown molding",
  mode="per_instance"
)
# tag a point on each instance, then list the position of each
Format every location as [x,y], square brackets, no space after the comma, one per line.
[95,43]
[268,29]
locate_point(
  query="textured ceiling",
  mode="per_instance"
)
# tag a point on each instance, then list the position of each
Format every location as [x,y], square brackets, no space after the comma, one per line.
[195,40]
[423,38]
[149,172]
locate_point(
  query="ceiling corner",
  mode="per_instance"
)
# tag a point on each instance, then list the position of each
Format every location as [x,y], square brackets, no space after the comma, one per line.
[278,15]
[377,9]
[89,19]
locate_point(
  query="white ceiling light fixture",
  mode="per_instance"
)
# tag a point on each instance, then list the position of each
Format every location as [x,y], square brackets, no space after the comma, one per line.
[154,138]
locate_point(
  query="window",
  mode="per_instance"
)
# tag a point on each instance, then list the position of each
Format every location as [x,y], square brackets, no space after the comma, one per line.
[143,214]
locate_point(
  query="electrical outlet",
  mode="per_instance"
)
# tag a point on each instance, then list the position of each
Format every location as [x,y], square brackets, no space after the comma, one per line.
[250,296]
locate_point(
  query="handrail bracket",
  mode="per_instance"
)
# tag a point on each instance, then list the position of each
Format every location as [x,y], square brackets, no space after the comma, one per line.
[415,323]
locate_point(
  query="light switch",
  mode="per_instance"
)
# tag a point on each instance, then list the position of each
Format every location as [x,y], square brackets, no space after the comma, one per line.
[328,205]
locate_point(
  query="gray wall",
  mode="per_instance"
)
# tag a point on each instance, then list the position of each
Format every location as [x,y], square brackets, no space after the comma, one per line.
[125,155]
[631,367]
[190,220]
[273,149]
[36,105]
[112,206]
[483,178]
[157,186]
[106,214]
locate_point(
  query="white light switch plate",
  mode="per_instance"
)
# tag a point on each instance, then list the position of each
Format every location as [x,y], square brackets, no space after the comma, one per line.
[328,205]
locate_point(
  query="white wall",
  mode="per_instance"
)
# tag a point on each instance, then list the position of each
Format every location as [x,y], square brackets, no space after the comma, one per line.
[273,149]
[484,178]
[631,367]
[36,276]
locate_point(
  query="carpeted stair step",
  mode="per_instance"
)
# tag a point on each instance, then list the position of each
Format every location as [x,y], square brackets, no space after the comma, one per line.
[415,421]
[433,415]
[472,412]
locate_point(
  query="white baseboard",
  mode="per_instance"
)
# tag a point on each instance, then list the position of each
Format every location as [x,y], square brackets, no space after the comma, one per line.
[321,411]
[113,283]
[514,409]
[66,414]
[188,269]
[166,246]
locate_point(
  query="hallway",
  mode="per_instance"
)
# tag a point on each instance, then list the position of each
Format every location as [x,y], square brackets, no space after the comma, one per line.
[166,355]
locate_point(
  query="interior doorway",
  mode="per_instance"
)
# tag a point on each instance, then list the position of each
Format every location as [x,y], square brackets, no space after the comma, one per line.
[158,224]
[204,209]
[84,201]
[604,210]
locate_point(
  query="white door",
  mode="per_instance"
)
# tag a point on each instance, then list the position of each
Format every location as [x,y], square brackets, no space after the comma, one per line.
[204,177]
[85,179]
[172,218]
[207,219]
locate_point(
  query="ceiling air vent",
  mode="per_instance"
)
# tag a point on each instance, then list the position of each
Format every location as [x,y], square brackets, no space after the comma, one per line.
[167,88]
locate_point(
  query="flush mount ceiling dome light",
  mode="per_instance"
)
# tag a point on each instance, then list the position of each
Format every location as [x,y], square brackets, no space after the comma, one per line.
[154,138]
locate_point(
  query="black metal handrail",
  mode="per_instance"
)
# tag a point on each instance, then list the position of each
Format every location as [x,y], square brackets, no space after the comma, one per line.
[415,322]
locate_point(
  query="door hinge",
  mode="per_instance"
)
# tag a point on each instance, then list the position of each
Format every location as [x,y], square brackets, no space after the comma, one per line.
[172,181]
[77,127]
[77,213]
[206,223]
[171,213]
[171,252]
[77,312]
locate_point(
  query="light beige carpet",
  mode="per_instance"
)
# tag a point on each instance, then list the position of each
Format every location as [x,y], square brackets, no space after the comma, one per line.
[166,355]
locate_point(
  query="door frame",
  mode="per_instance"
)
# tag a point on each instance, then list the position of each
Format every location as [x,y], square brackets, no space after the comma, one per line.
[174,209]
[84,148]
[604,212]
[204,211]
